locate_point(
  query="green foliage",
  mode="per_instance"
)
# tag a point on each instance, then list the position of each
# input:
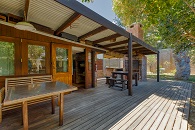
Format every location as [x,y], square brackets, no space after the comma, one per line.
[35,51]
[6,58]
[168,23]
[7,49]
[170,77]
[151,59]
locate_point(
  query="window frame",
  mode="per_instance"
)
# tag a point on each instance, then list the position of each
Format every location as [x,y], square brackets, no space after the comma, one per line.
[67,59]
[25,44]
[17,54]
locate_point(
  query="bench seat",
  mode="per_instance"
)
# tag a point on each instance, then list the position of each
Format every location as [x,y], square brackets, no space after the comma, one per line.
[114,81]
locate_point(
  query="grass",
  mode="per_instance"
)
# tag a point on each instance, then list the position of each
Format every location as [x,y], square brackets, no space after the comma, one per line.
[170,77]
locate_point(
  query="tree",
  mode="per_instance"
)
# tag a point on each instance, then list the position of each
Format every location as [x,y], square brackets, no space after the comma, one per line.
[169,24]
[173,21]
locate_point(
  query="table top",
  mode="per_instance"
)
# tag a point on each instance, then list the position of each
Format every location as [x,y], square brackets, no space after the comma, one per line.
[33,91]
[120,72]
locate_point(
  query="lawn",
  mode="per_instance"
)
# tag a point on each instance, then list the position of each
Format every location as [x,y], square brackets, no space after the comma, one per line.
[170,77]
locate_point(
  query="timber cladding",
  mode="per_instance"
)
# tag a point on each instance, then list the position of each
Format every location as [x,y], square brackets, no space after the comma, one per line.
[21,39]
[14,33]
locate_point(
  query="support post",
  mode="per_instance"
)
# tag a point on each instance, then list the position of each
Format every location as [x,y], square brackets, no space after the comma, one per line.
[93,68]
[130,65]
[25,115]
[53,104]
[61,110]
[158,69]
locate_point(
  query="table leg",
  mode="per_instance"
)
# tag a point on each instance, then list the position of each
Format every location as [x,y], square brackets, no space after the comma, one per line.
[61,110]
[58,100]
[53,104]
[25,115]
[136,79]
[112,75]
[0,113]
[121,76]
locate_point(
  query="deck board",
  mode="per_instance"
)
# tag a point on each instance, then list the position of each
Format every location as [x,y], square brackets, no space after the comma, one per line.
[163,105]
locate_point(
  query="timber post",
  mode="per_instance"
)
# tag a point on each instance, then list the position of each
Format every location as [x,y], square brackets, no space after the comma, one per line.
[130,65]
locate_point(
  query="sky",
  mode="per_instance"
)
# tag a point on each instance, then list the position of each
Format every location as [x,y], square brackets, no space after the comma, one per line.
[102,7]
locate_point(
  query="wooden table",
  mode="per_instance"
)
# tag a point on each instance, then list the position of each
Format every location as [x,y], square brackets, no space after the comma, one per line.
[126,73]
[26,93]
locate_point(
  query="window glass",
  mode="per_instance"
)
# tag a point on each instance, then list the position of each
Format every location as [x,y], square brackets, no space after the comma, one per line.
[6,58]
[36,59]
[61,60]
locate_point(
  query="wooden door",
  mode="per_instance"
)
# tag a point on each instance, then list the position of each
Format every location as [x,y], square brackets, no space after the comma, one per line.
[62,63]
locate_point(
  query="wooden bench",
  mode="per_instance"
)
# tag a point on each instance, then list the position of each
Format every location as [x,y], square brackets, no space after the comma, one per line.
[114,81]
[10,82]
[107,79]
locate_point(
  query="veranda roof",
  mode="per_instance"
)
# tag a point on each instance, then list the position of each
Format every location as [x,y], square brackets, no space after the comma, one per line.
[72,17]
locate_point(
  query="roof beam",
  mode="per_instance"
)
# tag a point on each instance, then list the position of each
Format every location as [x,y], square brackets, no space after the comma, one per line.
[98,45]
[78,7]
[93,32]
[27,2]
[139,41]
[67,23]
[141,49]
[107,38]
[147,53]
[123,51]
[125,47]
[144,52]
[116,43]
[118,48]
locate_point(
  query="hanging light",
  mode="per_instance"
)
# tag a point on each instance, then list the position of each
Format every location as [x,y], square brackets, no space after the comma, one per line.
[24,26]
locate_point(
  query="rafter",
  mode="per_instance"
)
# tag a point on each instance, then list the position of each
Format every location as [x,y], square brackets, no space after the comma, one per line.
[118,48]
[147,52]
[101,46]
[125,47]
[122,51]
[140,49]
[116,43]
[67,23]
[107,38]
[27,2]
[93,32]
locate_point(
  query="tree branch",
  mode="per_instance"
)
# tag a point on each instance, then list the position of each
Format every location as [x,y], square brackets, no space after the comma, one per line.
[189,35]
[193,10]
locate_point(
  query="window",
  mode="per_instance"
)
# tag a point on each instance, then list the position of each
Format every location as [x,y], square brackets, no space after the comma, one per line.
[36,59]
[61,60]
[6,58]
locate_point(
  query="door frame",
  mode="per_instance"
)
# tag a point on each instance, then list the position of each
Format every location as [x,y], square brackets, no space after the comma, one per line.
[53,61]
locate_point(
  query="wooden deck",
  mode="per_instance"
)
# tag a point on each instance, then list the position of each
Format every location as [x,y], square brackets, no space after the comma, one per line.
[163,105]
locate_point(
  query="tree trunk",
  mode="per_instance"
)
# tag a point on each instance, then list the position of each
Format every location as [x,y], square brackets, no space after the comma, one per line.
[182,63]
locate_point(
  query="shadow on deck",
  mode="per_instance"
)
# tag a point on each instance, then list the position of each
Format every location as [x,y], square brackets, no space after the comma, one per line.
[163,105]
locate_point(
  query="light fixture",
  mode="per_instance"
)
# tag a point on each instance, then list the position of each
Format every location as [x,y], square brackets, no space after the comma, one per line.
[24,26]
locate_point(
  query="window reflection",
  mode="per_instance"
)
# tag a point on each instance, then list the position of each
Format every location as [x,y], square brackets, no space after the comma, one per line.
[61,60]
[36,59]
[6,58]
